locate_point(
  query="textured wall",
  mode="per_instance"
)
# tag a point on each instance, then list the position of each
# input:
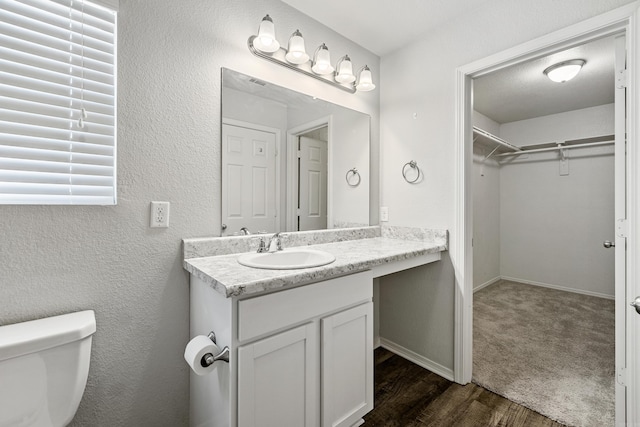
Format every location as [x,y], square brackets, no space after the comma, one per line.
[418,120]
[551,226]
[58,259]
[486,207]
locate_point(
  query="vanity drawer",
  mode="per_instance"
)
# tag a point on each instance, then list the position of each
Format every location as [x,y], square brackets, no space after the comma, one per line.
[263,314]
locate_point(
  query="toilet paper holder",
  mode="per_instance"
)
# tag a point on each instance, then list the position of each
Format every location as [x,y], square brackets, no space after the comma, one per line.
[209,359]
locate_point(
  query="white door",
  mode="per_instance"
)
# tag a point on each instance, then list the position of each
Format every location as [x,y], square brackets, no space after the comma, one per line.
[347,366]
[277,380]
[312,185]
[624,338]
[248,180]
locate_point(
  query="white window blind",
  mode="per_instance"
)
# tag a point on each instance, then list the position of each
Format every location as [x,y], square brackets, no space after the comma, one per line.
[57,103]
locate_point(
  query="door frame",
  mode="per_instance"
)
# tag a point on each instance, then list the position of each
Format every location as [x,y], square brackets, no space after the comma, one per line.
[261,128]
[620,20]
[292,165]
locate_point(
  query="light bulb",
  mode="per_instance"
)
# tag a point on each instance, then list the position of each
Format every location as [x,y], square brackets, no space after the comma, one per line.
[266,39]
[344,74]
[365,82]
[322,61]
[296,53]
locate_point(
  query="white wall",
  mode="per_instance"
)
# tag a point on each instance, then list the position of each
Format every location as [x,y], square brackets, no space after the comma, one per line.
[58,259]
[486,208]
[420,79]
[552,226]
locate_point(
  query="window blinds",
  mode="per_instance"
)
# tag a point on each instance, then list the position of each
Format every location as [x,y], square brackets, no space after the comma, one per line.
[57,103]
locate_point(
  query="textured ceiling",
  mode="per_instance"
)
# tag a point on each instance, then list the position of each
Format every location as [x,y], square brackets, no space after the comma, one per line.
[523,91]
[516,93]
[382,26]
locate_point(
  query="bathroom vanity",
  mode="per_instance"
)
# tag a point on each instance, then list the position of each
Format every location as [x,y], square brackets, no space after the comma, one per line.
[300,340]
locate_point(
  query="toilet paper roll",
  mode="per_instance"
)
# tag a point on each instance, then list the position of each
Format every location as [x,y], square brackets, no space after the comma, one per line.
[196,349]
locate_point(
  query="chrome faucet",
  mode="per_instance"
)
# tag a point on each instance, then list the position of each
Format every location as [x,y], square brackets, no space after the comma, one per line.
[266,247]
[278,241]
[245,231]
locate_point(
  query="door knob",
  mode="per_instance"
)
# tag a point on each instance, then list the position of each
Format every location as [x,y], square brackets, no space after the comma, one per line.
[607,244]
[636,304]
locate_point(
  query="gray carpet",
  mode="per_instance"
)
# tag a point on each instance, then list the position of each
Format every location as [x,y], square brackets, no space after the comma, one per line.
[548,350]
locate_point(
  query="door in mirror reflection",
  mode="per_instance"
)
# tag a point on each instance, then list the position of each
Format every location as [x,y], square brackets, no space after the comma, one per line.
[249,179]
[312,184]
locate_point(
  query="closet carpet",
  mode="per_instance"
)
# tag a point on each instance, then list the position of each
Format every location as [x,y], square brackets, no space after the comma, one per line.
[548,350]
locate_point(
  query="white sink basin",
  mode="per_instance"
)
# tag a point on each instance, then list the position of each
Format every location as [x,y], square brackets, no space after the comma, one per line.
[287,259]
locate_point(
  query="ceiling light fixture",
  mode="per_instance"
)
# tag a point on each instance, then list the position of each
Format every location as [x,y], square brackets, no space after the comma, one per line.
[265,45]
[564,71]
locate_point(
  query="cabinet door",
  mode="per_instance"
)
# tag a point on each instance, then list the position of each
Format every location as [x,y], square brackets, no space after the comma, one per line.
[277,380]
[347,366]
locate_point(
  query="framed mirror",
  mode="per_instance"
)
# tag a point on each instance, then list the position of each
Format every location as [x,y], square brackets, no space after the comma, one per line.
[290,162]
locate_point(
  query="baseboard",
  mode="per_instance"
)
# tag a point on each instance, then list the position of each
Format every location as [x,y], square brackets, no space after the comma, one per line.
[376,342]
[559,288]
[419,360]
[485,284]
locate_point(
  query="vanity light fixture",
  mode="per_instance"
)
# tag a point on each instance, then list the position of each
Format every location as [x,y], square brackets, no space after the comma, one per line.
[564,71]
[266,39]
[365,82]
[296,54]
[265,45]
[322,61]
[344,73]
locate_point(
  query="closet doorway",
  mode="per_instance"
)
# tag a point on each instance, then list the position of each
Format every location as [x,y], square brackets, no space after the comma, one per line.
[615,23]
[543,204]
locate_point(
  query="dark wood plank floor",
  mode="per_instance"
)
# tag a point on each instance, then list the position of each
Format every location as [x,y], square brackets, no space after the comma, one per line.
[407,395]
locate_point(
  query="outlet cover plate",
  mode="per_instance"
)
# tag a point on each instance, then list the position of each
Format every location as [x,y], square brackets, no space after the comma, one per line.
[159,215]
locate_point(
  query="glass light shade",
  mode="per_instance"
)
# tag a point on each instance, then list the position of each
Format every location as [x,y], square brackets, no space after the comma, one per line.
[345,71]
[322,61]
[564,71]
[266,41]
[365,82]
[296,53]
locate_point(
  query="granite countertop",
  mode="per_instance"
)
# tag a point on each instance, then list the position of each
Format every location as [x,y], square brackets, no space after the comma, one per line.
[227,276]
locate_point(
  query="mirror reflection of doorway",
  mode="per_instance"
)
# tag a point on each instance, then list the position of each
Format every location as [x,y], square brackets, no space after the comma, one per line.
[249,179]
[312,180]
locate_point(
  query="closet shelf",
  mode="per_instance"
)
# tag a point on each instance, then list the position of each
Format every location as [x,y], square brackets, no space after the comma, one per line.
[491,141]
[564,145]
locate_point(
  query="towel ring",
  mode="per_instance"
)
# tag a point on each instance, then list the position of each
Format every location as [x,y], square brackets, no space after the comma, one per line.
[355,172]
[414,165]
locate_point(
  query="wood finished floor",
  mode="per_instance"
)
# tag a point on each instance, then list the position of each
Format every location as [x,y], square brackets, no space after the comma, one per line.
[407,395]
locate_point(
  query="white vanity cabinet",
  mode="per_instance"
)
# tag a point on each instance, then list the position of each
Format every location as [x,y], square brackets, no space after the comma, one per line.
[298,357]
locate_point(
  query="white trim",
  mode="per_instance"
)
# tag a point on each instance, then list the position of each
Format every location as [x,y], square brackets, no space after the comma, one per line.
[488,283]
[418,359]
[633,221]
[292,165]
[558,287]
[613,22]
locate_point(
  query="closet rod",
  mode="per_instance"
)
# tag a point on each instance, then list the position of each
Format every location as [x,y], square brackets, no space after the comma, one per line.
[560,147]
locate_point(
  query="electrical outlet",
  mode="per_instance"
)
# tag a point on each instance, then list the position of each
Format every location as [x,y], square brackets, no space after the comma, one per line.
[159,216]
[384,214]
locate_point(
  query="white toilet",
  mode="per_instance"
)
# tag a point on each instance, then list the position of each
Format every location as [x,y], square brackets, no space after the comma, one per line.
[43,369]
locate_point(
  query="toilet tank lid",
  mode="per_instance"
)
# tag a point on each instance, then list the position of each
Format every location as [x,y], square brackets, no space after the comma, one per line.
[23,338]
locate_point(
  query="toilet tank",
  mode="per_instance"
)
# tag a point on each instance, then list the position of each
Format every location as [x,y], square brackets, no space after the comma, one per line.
[44,365]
